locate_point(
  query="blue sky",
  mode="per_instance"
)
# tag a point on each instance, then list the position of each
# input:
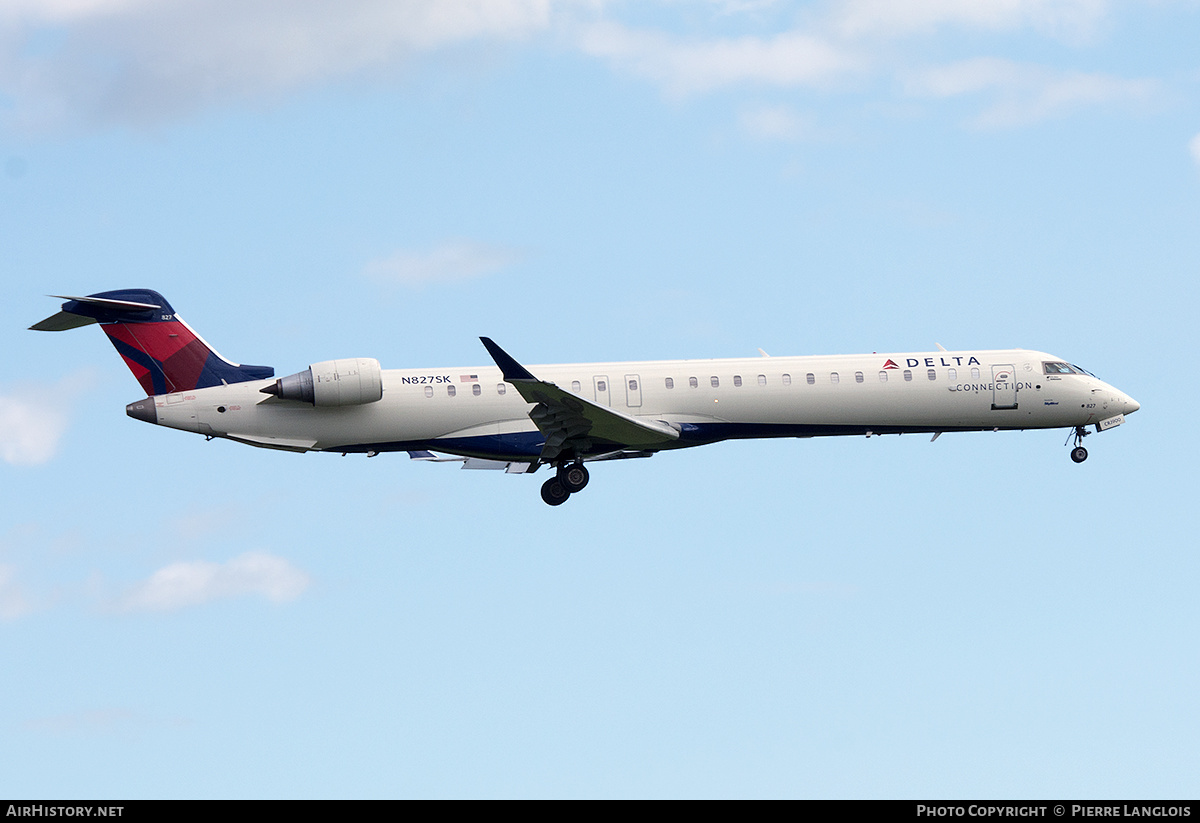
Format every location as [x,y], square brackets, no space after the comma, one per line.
[584,181]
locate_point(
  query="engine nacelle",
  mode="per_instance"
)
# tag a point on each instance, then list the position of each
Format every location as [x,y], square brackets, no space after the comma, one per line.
[350,382]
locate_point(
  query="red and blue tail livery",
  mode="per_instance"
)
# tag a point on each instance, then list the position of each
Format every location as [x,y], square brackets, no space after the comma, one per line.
[161,350]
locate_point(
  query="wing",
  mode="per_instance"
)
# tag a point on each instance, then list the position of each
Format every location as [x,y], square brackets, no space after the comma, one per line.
[574,426]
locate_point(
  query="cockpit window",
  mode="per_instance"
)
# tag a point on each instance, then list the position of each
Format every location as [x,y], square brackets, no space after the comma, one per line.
[1058,368]
[1064,368]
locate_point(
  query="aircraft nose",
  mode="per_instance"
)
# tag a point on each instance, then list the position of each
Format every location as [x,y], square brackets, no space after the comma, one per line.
[1131,405]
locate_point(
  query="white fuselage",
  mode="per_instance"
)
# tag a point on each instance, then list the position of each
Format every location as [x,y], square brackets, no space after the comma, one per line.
[473,411]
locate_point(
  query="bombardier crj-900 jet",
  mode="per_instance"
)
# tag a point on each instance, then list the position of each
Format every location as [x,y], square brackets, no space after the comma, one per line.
[518,418]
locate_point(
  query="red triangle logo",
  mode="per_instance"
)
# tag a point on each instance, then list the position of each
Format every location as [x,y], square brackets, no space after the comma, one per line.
[890,364]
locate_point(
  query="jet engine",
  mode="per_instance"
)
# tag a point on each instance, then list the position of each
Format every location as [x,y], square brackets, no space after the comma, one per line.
[350,382]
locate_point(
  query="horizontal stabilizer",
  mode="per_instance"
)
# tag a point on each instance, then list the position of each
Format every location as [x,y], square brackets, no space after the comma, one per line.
[83,311]
[109,303]
[63,321]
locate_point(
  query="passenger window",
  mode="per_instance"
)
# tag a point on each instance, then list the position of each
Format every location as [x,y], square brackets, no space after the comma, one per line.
[883,377]
[633,385]
[952,374]
[833,377]
[693,382]
[858,377]
[737,380]
[932,374]
[576,386]
[811,378]
[476,389]
[716,382]
[670,382]
[450,390]
[429,391]
[762,380]
[974,373]
[908,375]
[787,380]
[601,386]
[501,388]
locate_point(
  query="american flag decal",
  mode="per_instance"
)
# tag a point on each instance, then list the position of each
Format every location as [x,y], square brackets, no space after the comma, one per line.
[467,378]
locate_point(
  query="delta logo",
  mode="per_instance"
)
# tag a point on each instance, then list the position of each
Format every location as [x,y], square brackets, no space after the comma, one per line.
[915,362]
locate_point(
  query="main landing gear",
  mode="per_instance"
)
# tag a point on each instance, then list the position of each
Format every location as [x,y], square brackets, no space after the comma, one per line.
[1079,453]
[570,478]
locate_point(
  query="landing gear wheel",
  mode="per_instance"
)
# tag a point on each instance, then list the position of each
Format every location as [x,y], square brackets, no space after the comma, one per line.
[554,493]
[573,477]
[1079,453]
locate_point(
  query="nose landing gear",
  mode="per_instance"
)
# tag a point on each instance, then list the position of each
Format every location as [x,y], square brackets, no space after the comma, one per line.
[1079,453]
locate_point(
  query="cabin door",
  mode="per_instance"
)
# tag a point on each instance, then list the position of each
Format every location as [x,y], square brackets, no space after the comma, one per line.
[1004,387]
[633,391]
[600,383]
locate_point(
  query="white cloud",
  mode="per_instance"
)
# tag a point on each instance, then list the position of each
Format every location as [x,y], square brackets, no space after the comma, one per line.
[61,11]
[13,601]
[184,584]
[773,123]
[102,62]
[31,425]
[1194,148]
[791,58]
[143,62]
[450,262]
[1025,93]
[892,18]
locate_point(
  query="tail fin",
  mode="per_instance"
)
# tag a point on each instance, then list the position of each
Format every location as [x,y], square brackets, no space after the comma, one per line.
[161,350]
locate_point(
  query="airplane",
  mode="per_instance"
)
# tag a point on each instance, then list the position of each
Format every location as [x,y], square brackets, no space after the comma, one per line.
[516,418]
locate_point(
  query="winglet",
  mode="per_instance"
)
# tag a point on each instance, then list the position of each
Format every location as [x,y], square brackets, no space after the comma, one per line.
[511,368]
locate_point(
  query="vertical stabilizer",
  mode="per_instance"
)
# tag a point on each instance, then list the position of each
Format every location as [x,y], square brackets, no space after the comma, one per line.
[161,350]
